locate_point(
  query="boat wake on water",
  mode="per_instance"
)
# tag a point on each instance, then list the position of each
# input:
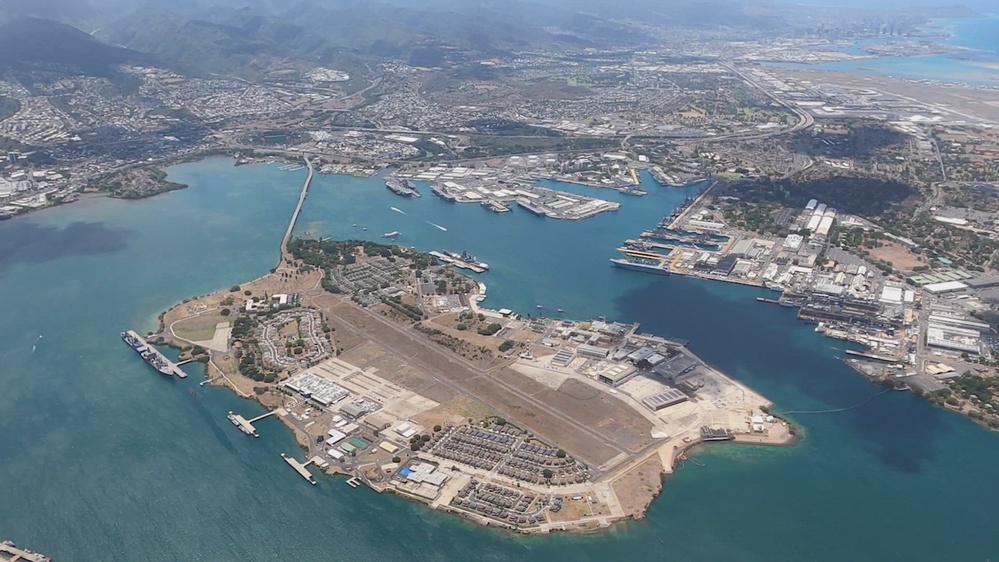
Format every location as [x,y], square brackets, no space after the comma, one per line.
[399,210]
[437,226]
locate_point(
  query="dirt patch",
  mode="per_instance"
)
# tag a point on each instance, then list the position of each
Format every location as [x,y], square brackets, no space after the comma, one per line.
[600,412]
[898,255]
[637,487]
[363,354]
[455,411]
[574,510]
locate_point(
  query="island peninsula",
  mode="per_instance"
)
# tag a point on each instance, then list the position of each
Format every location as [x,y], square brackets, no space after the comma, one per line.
[387,368]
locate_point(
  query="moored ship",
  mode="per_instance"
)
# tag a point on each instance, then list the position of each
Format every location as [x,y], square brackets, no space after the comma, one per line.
[467,261]
[530,208]
[236,422]
[443,193]
[149,355]
[411,185]
[496,206]
[399,188]
[641,264]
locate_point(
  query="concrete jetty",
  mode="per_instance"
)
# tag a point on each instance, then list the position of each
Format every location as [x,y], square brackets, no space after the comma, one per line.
[173,366]
[9,551]
[300,468]
[246,426]
[243,424]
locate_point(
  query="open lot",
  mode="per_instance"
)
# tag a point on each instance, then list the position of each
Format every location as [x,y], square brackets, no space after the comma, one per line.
[898,255]
[199,328]
[636,488]
[592,425]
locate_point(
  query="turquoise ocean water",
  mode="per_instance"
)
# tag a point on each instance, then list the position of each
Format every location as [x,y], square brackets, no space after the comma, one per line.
[103,459]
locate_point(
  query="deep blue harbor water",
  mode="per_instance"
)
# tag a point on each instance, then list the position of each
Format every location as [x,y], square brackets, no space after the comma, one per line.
[103,459]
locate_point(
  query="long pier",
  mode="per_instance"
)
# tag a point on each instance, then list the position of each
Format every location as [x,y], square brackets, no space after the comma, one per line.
[300,468]
[173,366]
[9,551]
[298,209]
[246,426]
[693,204]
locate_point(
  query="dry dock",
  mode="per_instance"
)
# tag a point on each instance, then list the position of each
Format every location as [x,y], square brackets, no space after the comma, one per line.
[173,366]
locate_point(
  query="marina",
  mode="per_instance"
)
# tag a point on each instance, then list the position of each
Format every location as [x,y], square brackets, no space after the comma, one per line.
[151,355]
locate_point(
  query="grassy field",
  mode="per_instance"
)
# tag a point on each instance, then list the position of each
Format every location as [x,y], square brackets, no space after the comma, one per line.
[199,328]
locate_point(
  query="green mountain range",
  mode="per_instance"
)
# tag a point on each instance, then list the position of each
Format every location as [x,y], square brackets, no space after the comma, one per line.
[33,43]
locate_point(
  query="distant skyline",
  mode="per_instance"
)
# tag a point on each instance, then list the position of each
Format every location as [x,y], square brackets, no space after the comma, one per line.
[987,6]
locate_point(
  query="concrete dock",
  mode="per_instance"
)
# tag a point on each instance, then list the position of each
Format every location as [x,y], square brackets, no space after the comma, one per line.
[9,551]
[173,366]
[300,468]
[243,424]
[246,426]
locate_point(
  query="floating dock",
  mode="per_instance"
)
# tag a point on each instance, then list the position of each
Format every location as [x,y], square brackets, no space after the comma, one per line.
[300,468]
[173,366]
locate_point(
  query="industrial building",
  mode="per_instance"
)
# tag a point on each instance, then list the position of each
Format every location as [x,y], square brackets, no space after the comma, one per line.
[945,287]
[665,399]
[316,388]
[335,437]
[616,375]
[424,473]
[592,351]
[676,366]
[953,338]
[352,410]
[983,282]
[563,357]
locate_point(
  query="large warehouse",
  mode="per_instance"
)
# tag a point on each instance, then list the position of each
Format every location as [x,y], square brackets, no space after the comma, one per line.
[665,399]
